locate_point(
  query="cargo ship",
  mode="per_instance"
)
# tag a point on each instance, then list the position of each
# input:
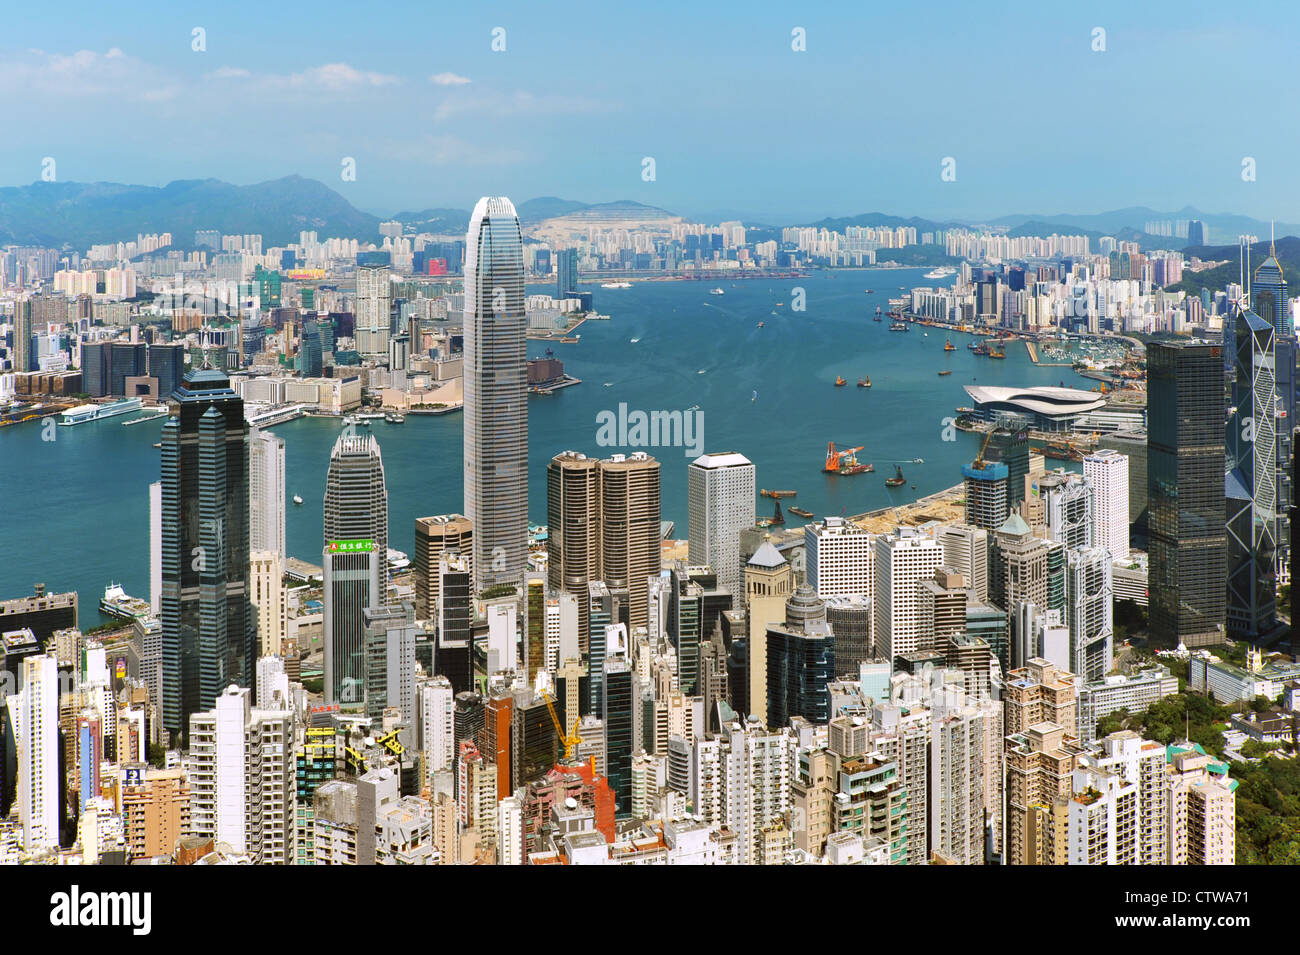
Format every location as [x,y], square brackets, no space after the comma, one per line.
[766,493]
[83,413]
[897,480]
[799,511]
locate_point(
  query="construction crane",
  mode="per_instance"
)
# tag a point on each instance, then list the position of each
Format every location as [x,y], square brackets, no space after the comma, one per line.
[833,456]
[978,463]
[570,741]
[389,742]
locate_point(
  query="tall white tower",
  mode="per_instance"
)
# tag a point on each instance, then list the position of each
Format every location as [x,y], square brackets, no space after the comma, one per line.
[1108,472]
[720,504]
[496,397]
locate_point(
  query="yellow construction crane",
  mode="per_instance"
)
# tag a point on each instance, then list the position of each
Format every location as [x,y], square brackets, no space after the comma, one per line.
[390,743]
[570,741]
[978,464]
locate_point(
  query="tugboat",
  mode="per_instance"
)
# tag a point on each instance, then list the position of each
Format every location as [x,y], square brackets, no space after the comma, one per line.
[972,346]
[840,381]
[948,345]
[897,480]
[997,352]
[864,381]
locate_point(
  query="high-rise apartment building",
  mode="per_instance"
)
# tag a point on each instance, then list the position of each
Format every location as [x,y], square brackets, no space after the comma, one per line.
[496,397]
[242,777]
[374,307]
[267,595]
[720,493]
[769,582]
[1040,760]
[34,718]
[1185,492]
[208,630]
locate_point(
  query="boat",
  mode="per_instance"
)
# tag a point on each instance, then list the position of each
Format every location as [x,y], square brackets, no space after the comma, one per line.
[780,304]
[981,349]
[925,334]
[897,480]
[776,519]
[395,418]
[844,462]
[716,291]
[864,381]
[609,384]
[973,346]
[898,326]
[355,420]
[946,371]
[871,291]
[569,340]
[799,511]
[761,324]
[876,317]
[997,352]
[83,413]
[297,499]
[634,340]
[550,352]
[766,493]
[116,603]
[754,396]
[948,345]
[700,372]
[616,285]
[840,381]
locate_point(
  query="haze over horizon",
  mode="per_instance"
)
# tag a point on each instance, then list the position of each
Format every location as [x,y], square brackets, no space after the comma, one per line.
[738,122]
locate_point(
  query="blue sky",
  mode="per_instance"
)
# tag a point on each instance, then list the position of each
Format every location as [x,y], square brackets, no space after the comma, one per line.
[736,121]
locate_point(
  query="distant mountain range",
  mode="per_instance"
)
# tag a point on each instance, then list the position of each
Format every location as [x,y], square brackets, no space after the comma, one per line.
[1288,256]
[81,214]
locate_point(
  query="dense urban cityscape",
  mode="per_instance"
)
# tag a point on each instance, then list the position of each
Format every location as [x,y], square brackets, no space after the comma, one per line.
[556,532]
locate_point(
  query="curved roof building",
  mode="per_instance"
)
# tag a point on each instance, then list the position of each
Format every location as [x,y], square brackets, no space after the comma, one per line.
[1050,408]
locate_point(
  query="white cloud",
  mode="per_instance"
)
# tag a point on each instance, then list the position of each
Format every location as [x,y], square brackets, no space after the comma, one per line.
[339,76]
[448,79]
[499,105]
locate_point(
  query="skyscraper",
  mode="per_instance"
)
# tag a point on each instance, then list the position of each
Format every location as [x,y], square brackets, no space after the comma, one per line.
[1107,472]
[720,504]
[496,398]
[987,498]
[35,710]
[356,499]
[629,528]
[1185,461]
[23,336]
[1251,481]
[351,587]
[903,559]
[266,492]
[208,631]
[566,272]
[435,536]
[1089,608]
[573,526]
[374,304]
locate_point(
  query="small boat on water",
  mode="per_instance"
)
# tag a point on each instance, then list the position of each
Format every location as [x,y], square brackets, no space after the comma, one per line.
[973,346]
[864,381]
[778,494]
[116,603]
[395,418]
[948,345]
[871,291]
[840,381]
[799,511]
[635,340]
[716,291]
[897,480]
[946,371]
[550,352]
[761,324]
[297,499]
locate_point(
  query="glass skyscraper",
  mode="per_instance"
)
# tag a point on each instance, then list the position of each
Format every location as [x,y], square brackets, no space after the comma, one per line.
[1251,482]
[496,397]
[1185,491]
[208,631]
